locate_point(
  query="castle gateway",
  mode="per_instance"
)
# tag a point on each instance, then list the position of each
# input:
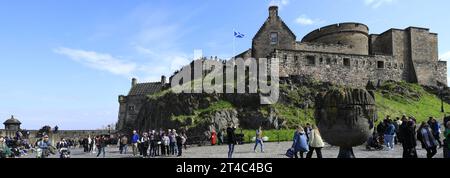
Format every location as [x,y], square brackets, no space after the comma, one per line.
[346,54]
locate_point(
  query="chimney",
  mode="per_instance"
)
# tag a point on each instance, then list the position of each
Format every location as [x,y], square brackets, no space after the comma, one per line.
[163,79]
[273,11]
[133,82]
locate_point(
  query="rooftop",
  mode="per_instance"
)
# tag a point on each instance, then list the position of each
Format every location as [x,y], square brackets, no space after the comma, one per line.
[12,120]
[146,88]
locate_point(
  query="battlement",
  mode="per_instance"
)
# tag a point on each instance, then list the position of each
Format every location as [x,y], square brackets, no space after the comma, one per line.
[336,28]
[352,34]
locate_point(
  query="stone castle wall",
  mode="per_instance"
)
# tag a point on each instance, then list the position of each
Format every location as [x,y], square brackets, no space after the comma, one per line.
[128,111]
[323,47]
[341,69]
[355,35]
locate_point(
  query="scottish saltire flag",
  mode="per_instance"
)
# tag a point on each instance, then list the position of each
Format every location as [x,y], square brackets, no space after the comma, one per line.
[238,35]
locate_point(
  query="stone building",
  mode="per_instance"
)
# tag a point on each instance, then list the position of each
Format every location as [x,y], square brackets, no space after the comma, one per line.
[131,104]
[12,125]
[347,54]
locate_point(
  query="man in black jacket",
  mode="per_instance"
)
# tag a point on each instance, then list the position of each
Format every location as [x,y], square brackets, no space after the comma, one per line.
[231,139]
[408,137]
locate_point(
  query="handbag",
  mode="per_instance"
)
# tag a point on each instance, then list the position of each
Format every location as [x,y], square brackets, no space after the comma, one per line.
[290,153]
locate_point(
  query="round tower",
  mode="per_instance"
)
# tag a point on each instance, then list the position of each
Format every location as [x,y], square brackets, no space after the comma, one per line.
[355,35]
[12,124]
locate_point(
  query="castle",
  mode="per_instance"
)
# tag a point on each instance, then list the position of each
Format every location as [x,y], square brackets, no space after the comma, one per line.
[346,54]
[343,54]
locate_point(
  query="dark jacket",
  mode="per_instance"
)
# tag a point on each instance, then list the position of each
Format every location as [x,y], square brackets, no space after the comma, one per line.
[231,136]
[408,135]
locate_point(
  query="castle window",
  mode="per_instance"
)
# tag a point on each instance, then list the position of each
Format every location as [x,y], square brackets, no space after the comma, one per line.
[295,58]
[380,64]
[335,61]
[274,38]
[285,57]
[328,61]
[347,62]
[321,60]
[131,108]
[311,60]
[402,66]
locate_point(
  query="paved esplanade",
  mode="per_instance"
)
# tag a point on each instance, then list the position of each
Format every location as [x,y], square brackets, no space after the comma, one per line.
[272,150]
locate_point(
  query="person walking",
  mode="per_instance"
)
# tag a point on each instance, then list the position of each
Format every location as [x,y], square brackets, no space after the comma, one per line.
[44,147]
[429,143]
[231,139]
[101,146]
[213,137]
[220,136]
[447,141]
[165,151]
[144,144]
[407,133]
[173,142]
[300,142]
[381,129]
[91,144]
[315,143]
[259,140]
[389,134]
[153,143]
[5,152]
[180,141]
[134,142]
[124,144]
[397,122]
[85,144]
[436,130]
[307,130]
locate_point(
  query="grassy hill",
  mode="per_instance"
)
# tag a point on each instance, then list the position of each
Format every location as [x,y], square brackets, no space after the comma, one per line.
[413,100]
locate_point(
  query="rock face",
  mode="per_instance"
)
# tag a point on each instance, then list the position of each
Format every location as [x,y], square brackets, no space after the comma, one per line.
[346,118]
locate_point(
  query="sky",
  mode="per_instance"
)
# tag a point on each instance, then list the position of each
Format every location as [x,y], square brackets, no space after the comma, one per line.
[64,62]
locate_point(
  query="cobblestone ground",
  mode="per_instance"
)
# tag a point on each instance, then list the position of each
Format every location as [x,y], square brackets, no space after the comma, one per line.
[272,150]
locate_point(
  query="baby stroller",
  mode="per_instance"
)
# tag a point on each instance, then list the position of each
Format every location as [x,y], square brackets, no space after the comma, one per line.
[373,143]
[64,153]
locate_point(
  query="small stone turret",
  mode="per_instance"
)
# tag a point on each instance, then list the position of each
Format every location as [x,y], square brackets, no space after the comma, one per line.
[133,82]
[273,11]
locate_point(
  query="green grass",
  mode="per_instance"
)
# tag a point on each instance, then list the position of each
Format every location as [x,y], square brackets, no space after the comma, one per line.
[197,116]
[216,106]
[294,116]
[396,105]
[283,135]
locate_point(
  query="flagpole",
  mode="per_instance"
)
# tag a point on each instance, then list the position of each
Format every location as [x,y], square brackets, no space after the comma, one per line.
[234,43]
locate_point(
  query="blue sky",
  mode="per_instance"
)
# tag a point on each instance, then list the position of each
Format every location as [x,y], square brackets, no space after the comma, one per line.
[64,62]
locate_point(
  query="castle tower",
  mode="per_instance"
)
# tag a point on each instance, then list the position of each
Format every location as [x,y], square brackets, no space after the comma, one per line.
[274,34]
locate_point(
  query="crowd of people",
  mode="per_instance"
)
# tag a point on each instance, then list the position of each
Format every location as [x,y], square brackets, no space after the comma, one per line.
[154,143]
[402,131]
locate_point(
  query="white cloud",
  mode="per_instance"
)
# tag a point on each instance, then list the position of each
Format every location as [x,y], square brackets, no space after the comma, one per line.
[377,3]
[305,20]
[279,3]
[99,61]
[445,56]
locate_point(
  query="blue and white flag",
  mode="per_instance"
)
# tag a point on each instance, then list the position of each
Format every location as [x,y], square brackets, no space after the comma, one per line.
[238,35]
